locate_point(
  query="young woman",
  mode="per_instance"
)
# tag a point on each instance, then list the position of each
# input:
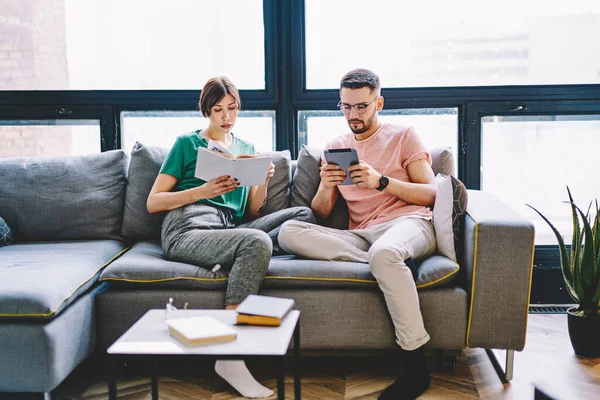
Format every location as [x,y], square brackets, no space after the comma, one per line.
[218,223]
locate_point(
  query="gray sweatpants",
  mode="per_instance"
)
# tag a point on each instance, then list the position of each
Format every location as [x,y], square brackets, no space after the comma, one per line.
[203,235]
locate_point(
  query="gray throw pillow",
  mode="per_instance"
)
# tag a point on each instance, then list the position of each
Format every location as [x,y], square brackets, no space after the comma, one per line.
[448,215]
[143,170]
[436,271]
[306,177]
[5,233]
[279,186]
[306,183]
[442,160]
[64,198]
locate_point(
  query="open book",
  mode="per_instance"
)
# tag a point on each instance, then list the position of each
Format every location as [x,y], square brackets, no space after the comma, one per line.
[263,310]
[249,169]
[197,331]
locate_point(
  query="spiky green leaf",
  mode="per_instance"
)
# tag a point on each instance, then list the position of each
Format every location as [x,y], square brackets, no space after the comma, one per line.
[578,285]
[596,230]
[564,257]
[575,243]
[588,261]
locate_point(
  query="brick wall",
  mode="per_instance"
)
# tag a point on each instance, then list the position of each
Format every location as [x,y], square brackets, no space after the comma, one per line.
[33,56]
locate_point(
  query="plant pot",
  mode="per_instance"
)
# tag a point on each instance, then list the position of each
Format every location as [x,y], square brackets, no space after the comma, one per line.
[584,333]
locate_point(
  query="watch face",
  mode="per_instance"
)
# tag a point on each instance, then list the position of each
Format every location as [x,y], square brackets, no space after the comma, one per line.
[383,182]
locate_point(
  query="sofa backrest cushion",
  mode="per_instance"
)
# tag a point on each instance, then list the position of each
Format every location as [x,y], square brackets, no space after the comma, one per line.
[145,164]
[278,191]
[5,233]
[143,170]
[64,198]
[306,181]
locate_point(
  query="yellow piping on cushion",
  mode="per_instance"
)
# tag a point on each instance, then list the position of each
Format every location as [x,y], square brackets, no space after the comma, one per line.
[473,281]
[439,280]
[51,313]
[163,279]
[308,278]
[305,278]
[529,285]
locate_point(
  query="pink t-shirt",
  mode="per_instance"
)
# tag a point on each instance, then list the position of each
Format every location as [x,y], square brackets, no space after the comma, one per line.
[389,151]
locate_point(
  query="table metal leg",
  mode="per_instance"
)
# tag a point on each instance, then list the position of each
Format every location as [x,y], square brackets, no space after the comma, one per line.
[280,378]
[155,380]
[112,379]
[296,362]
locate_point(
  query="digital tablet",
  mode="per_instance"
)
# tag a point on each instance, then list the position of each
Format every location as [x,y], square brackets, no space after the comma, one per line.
[344,158]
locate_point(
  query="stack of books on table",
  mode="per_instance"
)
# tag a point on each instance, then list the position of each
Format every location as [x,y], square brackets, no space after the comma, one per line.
[263,310]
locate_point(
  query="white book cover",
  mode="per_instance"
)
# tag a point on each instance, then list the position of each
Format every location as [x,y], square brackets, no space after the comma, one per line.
[250,171]
[200,330]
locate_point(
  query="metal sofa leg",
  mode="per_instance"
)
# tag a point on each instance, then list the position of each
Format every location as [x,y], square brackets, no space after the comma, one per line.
[505,374]
[47,396]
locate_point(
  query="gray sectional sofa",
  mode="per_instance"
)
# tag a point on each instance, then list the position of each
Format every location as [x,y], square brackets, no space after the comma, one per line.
[87,263]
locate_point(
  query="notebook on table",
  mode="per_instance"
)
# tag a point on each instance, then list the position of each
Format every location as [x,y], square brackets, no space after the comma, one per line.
[198,331]
[263,310]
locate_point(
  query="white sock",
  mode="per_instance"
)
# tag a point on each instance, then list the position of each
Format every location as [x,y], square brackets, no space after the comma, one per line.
[237,375]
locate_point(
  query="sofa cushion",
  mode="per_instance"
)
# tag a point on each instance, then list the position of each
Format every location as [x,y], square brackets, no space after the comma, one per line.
[278,190]
[41,279]
[306,176]
[5,233]
[448,215]
[143,170]
[306,183]
[145,164]
[442,160]
[64,198]
[144,265]
[291,272]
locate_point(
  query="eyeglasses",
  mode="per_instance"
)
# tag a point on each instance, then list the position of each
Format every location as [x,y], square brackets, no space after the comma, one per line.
[359,108]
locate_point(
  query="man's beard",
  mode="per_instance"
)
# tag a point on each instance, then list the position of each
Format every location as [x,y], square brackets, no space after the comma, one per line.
[366,124]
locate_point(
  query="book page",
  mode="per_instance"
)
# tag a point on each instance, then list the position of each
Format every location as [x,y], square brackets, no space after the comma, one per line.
[211,165]
[251,171]
[216,146]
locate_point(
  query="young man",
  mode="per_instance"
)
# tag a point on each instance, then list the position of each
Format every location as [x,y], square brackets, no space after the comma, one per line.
[390,218]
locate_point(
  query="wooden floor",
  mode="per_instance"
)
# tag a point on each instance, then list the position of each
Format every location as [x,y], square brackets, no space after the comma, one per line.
[548,361]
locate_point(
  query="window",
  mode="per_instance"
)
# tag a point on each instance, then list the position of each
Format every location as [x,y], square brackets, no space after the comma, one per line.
[161,128]
[133,44]
[49,138]
[458,43]
[532,159]
[435,126]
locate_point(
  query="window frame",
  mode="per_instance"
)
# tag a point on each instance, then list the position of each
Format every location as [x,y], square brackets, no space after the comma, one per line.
[285,92]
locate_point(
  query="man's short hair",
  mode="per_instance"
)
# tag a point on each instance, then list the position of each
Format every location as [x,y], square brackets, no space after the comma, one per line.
[360,78]
[213,92]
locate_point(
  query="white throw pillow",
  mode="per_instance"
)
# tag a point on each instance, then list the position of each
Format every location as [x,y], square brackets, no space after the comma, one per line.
[448,214]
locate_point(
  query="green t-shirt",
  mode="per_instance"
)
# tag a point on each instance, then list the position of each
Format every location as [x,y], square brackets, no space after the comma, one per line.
[181,163]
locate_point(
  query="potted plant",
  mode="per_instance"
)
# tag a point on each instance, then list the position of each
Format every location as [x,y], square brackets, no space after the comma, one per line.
[581,272]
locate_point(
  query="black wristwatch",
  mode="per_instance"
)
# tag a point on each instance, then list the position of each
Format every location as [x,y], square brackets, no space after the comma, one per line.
[383,182]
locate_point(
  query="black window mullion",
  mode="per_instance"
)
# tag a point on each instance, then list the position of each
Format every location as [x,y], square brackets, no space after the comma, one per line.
[286,133]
